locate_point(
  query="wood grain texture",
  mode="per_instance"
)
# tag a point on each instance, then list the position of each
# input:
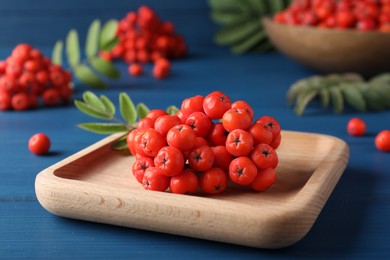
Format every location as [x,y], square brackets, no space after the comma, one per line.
[96,184]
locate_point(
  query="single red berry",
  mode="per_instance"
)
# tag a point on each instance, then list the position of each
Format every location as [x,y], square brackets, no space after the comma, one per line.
[169,160]
[261,134]
[131,141]
[216,104]
[135,69]
[382,141]
[153,179]
[39,144]
[200,141]
[222,157]
[145,123]
[236,118]
[245,106]
[185,182]
[217,135]
[264,179]
[239,143]
[264,156]
[213,181]
[160,72]
[272,124]
[165,122]
[182,137]
[200,123]
[276,142]
[51,97]
[155,113]
[20,101]
[5,101]
[192,104]
[42,77]
[150,143]
[201,158]
[242,170]
[140,165]
[33,65]
[356,127]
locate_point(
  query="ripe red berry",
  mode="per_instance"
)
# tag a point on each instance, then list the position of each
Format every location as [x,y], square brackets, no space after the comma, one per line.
[140,165]
[356,127]
[20,101]
[135,69]
[213,181]
[39,144]
[239,143]
[5,101]
[217,135]
[185,182]
[156,113]
[236,118]
[242,170]
[192,104]
[245,106]
[150,143]
[382,141]
[182,137]
[145,123]
[264,179]
[200,123]
[131,141]
[201,158]
[216,104]
[153,179]
[169,160]
[222,157]
[165,123]
[261,134]
[264,156]
[272,124]
[51,97]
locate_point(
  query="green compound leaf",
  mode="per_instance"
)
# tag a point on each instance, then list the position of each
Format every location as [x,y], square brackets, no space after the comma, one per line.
[108,33]
[109,105]
[324,97]
[110,45]
[92,41]
[249,43]
[336,97]
[258,6]
[87,77]
[91,111]
[303,100]
[172,110]
[120,144]
[56,56]
[127,108]
[104,128]
[92,100]
[142,110]
[105,67]
[229,19]
[232,34]
[229,6]
[73,48]
[276,5]
[353,96]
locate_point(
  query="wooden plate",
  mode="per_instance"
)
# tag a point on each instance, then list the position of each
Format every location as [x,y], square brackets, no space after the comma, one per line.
[96,184]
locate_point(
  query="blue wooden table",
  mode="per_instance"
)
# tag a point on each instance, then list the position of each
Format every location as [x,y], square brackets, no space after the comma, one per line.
[353,224]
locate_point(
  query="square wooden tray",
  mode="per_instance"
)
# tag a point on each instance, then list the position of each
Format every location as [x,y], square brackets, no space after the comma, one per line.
[96,184]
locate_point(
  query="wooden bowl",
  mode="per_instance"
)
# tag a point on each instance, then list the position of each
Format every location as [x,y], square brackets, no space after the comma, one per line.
[331,50]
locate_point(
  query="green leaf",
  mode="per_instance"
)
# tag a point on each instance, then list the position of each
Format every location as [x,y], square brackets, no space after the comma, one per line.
[303,100]
[56,56]
[380,79]
[249,42]
[108,32]
[257,6]
[142,110]
[92,41]
[229,6]
[108,46]
[276,5]
[73,48]
[127,108]
[336,97]
[104,128]
[324,97]
[232,34]
[91,111]
[172,110]
[87,77]
[120,144]
[303,85]
[229,19]
[353,97]
[110,108]
[92,100]
[263,46]
[105,67]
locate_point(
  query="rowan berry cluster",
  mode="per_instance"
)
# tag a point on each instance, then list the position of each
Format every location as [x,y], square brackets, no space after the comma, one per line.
[144,38]
[27,75]
[363,15]
[208,143]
